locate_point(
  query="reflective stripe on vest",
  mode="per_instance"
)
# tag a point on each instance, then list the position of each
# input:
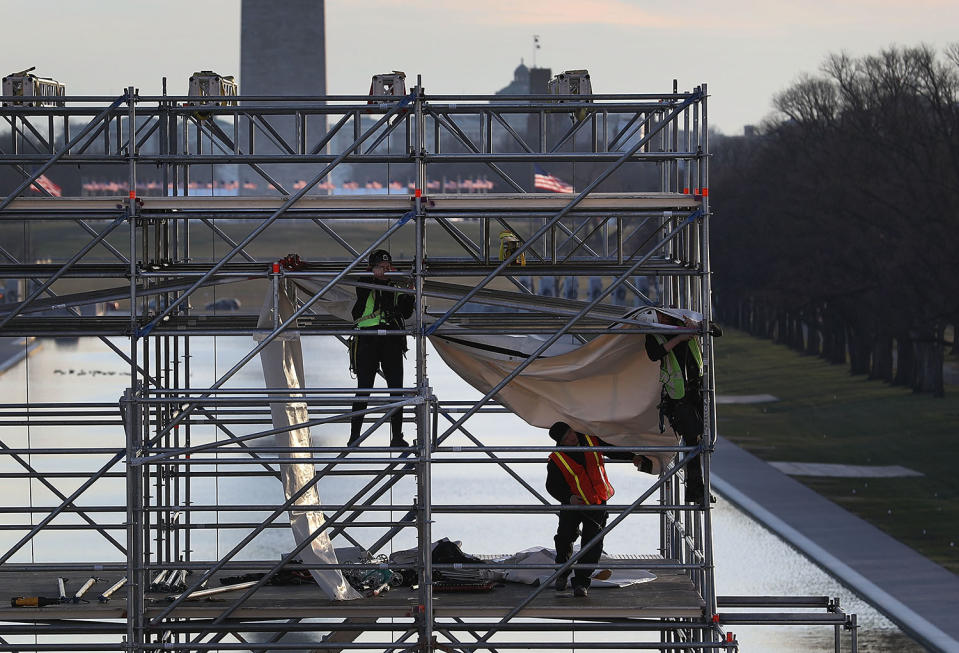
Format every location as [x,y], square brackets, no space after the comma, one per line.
[670,372]
[370,318]
[590,482]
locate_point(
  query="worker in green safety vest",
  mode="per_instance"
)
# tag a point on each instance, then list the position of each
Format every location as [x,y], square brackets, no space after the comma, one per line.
[379,310]
[681,373]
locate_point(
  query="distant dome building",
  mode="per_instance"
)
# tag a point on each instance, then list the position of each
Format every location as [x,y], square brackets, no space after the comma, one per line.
[520,83]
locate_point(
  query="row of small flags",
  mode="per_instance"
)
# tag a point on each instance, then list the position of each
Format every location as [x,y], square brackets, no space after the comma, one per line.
[541,180]
[113,187]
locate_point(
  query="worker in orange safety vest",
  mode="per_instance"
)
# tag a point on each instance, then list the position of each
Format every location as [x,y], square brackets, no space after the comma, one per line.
[578,478]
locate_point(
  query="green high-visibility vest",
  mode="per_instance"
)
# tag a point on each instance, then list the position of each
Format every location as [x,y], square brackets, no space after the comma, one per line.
[370,318]
[670,372]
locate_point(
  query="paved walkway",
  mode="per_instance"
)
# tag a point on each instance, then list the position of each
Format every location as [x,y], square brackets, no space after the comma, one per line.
[832,470]
[13,350]
[914,592]
[745,399]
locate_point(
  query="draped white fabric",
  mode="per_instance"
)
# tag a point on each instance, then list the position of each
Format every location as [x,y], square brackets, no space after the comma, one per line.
[607,387]
[282,362]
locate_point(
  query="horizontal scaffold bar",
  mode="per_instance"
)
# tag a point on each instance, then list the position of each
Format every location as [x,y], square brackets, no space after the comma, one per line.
[486,202]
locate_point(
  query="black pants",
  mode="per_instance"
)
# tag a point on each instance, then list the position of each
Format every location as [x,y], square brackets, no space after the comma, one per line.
[686,417]
[373,352]
[569,527]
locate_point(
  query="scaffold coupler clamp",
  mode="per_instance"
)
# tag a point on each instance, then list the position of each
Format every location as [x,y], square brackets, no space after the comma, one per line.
[417,612]
[432,645]
[419,198]
[133,204]
[731,643]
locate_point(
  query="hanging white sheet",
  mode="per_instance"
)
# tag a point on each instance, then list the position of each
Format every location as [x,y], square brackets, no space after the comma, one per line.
[282,362]
[607,387]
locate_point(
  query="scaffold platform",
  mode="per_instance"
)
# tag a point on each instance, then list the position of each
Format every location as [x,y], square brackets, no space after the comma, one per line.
[669,595]
[142,274]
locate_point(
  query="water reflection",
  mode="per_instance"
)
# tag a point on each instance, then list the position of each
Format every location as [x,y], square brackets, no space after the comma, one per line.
[749,559]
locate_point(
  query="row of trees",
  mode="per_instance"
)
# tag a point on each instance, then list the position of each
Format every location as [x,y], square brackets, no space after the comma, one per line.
[837,224]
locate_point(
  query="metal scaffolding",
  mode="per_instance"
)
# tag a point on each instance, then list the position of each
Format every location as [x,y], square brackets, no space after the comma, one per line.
[635,227]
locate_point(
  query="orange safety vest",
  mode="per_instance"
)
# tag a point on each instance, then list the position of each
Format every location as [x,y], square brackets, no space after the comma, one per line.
[589,482]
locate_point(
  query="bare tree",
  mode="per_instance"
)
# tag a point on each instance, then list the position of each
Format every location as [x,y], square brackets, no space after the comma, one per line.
[848,201]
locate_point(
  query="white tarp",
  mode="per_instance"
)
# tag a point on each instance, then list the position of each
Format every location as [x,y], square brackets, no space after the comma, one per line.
[607,387]
[537,555]
[282,362]
[611,577]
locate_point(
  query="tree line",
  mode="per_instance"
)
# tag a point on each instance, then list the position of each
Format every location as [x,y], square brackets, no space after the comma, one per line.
[836,227]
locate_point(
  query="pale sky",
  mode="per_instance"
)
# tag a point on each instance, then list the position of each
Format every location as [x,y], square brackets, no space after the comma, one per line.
[745,50]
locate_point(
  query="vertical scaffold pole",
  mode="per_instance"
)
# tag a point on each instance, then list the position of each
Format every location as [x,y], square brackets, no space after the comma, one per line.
[424,440]
[130,411]
[709,590]
[132,220]
[184,309]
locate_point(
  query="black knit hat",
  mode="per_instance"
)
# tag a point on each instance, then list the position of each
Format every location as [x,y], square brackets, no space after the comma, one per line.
[558,430]
[379,256]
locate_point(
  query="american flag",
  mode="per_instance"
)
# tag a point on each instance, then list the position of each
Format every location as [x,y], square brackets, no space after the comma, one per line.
[546,181]
[46,184]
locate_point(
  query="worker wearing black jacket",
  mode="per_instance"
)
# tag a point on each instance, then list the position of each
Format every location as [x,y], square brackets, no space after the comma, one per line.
[374,310]
[579,478]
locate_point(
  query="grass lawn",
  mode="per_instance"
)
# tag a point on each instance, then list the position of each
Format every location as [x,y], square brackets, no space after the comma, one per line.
[825,415]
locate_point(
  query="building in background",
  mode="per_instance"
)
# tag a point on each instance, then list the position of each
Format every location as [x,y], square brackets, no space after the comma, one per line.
[282,52]
[527,81]
[282,47]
